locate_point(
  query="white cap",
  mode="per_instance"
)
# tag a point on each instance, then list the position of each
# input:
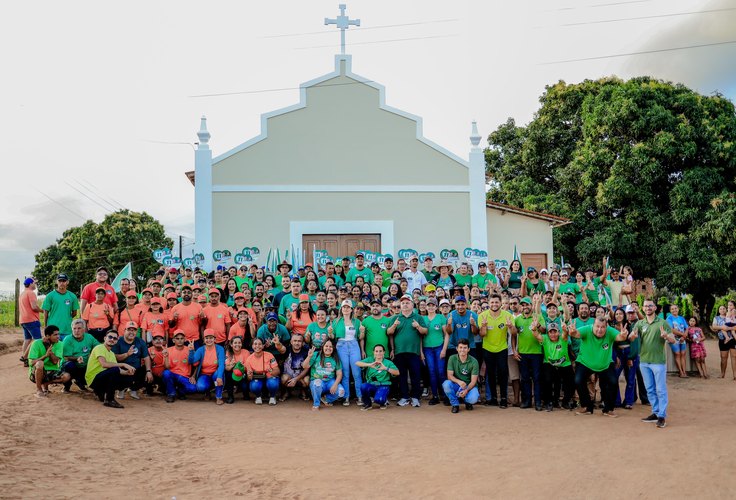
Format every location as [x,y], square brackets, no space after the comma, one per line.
[543,270]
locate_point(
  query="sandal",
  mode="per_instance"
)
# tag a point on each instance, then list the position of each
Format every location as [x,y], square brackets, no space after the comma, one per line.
[220,401]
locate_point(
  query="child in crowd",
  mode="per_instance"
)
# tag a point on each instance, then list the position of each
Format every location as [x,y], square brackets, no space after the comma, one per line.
[697,347]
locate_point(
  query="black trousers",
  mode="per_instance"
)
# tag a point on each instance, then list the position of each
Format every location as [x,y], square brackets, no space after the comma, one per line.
[107,382]
[607,380]
[554,378]
[497,372]
[77,372]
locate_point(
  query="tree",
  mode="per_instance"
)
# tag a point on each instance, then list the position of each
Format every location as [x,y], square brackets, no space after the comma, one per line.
[122,237]
[639,167]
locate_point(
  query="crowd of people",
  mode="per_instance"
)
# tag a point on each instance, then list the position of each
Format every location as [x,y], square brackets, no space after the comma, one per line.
[351,333]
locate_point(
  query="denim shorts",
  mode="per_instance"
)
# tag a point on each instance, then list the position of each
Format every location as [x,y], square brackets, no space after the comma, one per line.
[31,330]
[677,347]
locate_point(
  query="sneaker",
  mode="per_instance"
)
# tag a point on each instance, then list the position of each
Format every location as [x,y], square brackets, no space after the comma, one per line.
[259,400]
[650,419]
[66,391]
[415,403]
[272,401]
[383,406]
[434,401]
[490,402]
[113,404]
[455,409]
[425,393]
[549,406]
[366,407]
[503,404]
[661,423]
[170,399]
[403,402]
[134,395]
[41,394]
[346,402]
[538,407]
[230,399]
[468,406]
[120,394]
[525,406]
[583,411]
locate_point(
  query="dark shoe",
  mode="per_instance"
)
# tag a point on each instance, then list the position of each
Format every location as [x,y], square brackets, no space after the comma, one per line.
[446,402]
[468,406]
[650,419]
[170,399]
[556,404]
[490,402]
[182,397]
[113,404]
[661,423]
[503,404]
[538,407]
[100,396]
[525,406]
[455,409]
[434,401]
[550,406]
[367,407]
[230,399]
[24,361]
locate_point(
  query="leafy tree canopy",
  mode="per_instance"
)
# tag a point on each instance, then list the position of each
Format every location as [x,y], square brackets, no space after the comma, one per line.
[645,169]
[122,237]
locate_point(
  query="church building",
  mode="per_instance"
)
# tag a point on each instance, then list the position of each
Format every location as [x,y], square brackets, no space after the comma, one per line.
[342,171]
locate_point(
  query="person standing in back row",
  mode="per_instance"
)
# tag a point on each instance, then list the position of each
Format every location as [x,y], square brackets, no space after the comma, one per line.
[29,317]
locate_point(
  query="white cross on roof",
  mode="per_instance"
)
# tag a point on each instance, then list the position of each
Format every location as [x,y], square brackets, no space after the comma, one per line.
[343,22]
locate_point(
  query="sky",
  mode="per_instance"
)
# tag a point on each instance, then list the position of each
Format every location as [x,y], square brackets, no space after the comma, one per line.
[101,101]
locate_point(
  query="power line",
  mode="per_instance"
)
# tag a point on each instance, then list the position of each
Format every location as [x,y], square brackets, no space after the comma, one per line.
[323,32]
[107,211]
[175,142]
[96,195]
[380,41]
[671,49]
[120,205]
[62,205]
[276,90]
[603,21]
[599,5]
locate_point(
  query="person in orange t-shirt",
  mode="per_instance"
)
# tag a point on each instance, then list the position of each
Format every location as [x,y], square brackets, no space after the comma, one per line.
[236,354]
[217,317]
[243,328]
[177,376]
[129,313]
[187,316]
[262,369]
[29,313]
[300,319]
[157,352]
[155,322]
[210,359]
[98,315]
[145,304]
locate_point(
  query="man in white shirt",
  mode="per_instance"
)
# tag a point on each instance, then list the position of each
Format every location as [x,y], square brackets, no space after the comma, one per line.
[414,277]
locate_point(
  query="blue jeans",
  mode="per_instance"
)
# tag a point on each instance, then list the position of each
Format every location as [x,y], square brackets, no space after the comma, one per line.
[320,387]
[177,383]
[629,375]
[655,380]
[32,330]
[349,353]
[530,368]
[379,393]
[272,384]
[435,367]
[451,389]
[206,383]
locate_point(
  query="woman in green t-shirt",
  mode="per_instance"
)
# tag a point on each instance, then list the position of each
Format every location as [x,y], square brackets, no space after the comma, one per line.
[377,378]
[513,282]
[325,374]
[346,330]
[434,347]
[317,331]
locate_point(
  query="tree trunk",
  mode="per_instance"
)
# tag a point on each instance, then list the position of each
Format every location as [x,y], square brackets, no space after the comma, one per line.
[705,302]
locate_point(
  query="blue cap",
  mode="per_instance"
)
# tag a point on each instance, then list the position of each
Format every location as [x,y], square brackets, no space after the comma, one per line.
[272,316]
[28,281]
[460,298]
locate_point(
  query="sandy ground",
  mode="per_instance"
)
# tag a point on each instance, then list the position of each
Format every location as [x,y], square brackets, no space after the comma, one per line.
[71,446]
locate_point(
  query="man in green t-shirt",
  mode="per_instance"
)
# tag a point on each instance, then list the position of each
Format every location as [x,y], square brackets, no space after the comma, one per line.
[359,270]
[44,361]
[60,306]
[375,327]
[495,327]
[530,352]
[406,328]
[654,332]
[596,358]
[77,347]
[462,377]
[557,369]
[483,279]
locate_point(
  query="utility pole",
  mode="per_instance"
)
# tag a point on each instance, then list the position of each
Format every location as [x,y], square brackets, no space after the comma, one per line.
[180,240]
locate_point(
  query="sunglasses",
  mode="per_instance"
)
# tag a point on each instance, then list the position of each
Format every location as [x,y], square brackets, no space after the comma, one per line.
[111,337]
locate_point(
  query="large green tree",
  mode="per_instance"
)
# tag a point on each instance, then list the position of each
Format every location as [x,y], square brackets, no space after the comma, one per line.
[122,237]
[644,169]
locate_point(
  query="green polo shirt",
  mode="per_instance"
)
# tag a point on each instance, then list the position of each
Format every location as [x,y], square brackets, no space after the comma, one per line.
[527,343]
[652,344]
[406,337]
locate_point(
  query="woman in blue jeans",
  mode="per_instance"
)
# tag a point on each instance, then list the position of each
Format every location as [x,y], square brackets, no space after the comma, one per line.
[379,371]
[325,374]
[210,362]
[434,347]
[347,330]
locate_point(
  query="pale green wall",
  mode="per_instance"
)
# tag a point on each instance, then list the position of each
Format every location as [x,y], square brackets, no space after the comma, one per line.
[340,137]
[506,229]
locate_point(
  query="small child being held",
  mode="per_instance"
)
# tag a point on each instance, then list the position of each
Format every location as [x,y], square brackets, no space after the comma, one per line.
[697,347]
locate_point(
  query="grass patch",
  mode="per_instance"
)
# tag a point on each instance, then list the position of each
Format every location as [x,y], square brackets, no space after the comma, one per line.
[7,313]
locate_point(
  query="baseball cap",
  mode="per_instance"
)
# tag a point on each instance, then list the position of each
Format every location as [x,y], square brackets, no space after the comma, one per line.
[131,324]
[543,270]
[171,295]
[427,258]
[358,254]
[444,302]
[186,285]
[553,326]
[131,293]
[376,301]
[564,273]
[530,269]
[213,291]
[630,309]
[157,300]
[346,302]
[432,300]
[102,288]
[406,296]
[239,295]
[62,277]
[525,300]
[102,268]
[209,332]
[303,297]
[430,288]
[172,270]
[179,332]
[461,298]
[28,281]
[481,264]
[414,257]
[272,316]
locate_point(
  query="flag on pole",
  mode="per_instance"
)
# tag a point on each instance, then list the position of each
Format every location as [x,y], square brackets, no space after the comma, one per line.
[314,258]
[125,272]
[562,258]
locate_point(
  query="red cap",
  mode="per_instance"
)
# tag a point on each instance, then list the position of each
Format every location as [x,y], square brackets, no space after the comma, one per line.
[147,290]
[131,324]
[209,332]
[303,297]
[239,295]
[157,300]
[173,270]
[171,295]
[179,332]
[131,293]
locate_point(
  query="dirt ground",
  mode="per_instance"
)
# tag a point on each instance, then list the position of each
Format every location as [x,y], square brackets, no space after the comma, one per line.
[70,446]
